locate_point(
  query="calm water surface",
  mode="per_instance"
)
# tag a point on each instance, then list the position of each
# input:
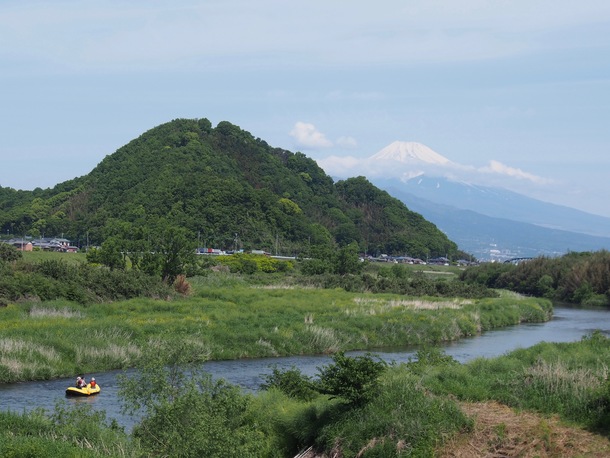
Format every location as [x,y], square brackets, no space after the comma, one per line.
[567,325]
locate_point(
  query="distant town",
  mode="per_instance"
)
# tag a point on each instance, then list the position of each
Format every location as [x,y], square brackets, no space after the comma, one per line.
[63,245]
[43,244]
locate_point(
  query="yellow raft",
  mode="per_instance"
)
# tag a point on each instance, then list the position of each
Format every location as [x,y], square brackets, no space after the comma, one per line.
[87,391]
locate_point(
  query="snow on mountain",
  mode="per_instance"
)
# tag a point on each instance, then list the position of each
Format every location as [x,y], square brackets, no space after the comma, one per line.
[410,152]
[475,206]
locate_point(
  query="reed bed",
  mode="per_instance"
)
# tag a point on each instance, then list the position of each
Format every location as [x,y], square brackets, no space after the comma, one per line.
[39,311]
[225,318]
[372,306]
[21,358]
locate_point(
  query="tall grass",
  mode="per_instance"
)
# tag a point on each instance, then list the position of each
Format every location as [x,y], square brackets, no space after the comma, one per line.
[225,318]
[569,379]
[67,432]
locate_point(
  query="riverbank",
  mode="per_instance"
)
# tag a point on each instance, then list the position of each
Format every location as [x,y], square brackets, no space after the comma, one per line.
[54,339]
[546,400]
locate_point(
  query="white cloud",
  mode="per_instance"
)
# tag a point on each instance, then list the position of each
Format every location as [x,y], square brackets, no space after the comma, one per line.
[497,167]
[308,136]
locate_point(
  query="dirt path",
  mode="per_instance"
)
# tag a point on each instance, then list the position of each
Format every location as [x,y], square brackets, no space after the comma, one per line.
[499,431]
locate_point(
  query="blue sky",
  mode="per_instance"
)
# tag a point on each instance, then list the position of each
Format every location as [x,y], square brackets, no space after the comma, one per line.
[518,88]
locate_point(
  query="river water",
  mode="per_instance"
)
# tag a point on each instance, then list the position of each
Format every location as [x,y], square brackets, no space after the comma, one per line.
[567,325]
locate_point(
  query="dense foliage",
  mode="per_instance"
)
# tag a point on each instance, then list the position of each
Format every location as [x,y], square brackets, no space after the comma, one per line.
[227,190]
[55,278]
[186,413]
[354,380]
[581,278]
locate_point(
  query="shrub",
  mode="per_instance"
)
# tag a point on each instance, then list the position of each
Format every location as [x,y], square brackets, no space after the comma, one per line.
[291,382]
[9,253]
[430,357]
[315,267]
[354,380]
[57,269]
[186,412]
[402,420]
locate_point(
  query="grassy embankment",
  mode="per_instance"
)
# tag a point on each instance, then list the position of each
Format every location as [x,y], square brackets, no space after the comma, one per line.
[435,406]
[225,318]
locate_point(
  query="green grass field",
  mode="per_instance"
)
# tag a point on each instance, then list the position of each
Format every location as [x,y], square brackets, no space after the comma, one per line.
[225,318]
[36,256]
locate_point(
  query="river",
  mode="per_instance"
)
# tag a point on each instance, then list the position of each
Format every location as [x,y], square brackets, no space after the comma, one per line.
[567,325]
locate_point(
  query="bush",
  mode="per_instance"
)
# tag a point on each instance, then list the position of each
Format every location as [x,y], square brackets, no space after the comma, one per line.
[402,420]
[182,286]
[291,382]
[186,413]
[430,357]
[82,283]
[315,267]
[204,418]
[9,253]
[354,380]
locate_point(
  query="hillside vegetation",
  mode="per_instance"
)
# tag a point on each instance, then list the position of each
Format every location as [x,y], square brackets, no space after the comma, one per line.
[228,190]
[580,278]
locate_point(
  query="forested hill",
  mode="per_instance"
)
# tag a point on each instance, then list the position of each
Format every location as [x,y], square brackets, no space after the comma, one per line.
[228,189]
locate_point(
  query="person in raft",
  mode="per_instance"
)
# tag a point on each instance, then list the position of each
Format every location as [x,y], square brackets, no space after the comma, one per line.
[92,382]
[80,382]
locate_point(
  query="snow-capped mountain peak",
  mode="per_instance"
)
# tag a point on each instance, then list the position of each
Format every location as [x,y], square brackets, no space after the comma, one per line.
[410,152]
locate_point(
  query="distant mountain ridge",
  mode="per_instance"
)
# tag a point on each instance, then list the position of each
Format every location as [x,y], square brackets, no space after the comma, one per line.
[492,238]
[502,203]
[481,217]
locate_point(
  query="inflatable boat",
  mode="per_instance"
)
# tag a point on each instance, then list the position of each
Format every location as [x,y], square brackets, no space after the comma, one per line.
[86,391]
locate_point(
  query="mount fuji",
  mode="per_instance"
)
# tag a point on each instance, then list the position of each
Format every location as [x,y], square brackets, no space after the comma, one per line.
[410,153]
[489,222]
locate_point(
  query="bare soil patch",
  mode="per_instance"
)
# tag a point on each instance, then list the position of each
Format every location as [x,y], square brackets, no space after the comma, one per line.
[499,431]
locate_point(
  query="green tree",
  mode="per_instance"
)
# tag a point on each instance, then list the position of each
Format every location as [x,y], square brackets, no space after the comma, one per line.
[111,254]
[545,286]
[291,382]
[347,260]
[177,251]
